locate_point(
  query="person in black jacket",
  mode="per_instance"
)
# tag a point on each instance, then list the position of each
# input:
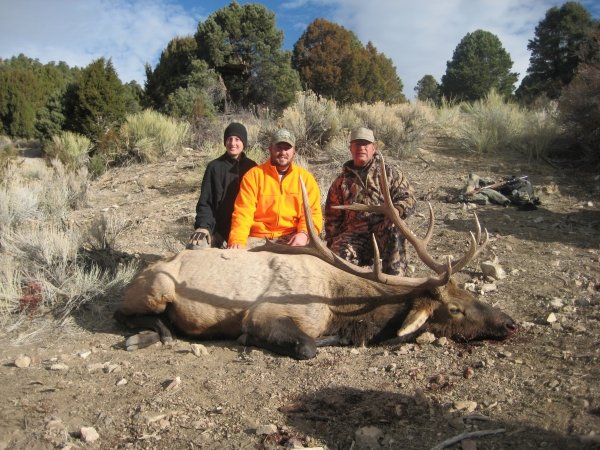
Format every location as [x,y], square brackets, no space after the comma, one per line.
[220,186]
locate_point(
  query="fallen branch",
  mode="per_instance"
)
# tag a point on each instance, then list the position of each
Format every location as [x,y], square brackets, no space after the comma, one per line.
[460,437]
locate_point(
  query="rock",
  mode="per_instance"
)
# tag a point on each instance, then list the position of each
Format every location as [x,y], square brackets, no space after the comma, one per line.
[488,287]
[22,361]
[199,350]
[465,405]
[95,367]
[438,379]
[391,367]
[457,423]
[172,384]
[556,303]
[59,367]
[551,318]
[188,219]
[266,429]
[442,341]
[471,287]
[84,354]
[425,338]
[110,368]
[369,437]
[468,372]
[403,350]
[121,382]
[493,269]
[88,434]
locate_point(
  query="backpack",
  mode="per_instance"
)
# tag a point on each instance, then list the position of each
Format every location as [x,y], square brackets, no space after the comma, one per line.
[519,191]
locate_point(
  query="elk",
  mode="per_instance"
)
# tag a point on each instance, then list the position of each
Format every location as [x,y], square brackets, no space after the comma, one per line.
[291,300]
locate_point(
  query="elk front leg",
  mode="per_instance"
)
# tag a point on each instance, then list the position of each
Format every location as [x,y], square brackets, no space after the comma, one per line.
[279,335]
[146,322]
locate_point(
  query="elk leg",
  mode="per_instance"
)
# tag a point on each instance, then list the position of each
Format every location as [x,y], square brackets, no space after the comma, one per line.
[283,337]
[330,341]
[146,322]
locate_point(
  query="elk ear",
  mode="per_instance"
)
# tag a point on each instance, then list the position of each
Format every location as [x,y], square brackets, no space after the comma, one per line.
[415,319]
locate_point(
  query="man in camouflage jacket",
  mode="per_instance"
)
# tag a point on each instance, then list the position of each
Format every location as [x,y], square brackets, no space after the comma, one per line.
[348,233]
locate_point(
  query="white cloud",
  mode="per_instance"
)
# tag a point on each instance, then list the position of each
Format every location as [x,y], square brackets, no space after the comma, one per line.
[131,32]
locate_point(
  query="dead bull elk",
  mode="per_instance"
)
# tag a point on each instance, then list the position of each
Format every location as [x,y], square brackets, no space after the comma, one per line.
[290,300]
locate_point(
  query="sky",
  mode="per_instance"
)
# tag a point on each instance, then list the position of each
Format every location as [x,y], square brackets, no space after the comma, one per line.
[418,36]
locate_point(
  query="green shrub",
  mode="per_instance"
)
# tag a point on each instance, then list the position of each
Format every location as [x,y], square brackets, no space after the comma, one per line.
[70,148]
[8,153]
[150,135]
[488,125]
[580,110]
[313,120]
[400,129]
[44,193]
[539,131]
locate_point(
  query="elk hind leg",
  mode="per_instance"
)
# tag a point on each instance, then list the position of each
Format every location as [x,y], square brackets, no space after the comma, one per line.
[155,329]
[282,336]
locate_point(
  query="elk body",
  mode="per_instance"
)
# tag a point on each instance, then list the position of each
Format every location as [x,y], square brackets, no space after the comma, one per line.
[290,300]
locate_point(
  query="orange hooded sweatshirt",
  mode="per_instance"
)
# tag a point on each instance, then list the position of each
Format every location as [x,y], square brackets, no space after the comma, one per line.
[269,208]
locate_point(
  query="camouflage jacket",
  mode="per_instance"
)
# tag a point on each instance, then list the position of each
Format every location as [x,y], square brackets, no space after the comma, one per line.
[362,185]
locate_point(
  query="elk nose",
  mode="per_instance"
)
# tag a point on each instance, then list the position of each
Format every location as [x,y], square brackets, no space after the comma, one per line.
[511,326]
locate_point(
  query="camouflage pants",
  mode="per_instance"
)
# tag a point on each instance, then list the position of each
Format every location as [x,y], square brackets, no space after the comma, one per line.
[358,247]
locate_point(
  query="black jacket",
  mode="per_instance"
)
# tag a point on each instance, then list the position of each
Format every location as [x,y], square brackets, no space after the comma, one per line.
[220,186]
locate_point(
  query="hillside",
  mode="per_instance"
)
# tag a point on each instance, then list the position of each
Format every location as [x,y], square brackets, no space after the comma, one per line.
[540,388]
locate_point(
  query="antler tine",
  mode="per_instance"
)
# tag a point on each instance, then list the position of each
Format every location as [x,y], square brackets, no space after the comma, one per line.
[475,247]
[316,247]
[388,209]
[420,245]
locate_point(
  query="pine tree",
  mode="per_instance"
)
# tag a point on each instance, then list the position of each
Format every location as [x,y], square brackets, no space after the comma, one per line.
[96,101]
[428,89]
[479,64]
[242,44]
[333,63]
[555,51]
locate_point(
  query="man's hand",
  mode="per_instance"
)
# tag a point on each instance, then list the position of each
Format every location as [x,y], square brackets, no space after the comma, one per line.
[198,236]
[235,246]
[300,239]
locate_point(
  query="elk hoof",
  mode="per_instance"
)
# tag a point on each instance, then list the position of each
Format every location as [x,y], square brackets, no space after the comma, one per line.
[305,350]
[142,340]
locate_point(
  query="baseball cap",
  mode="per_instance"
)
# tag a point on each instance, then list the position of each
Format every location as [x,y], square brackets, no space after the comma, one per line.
[283,135]
[363,134]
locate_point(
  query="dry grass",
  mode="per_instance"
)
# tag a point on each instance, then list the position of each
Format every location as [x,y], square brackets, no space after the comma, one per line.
[44,276]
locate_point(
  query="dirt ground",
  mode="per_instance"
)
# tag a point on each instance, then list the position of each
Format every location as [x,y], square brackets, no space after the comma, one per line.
[540,389]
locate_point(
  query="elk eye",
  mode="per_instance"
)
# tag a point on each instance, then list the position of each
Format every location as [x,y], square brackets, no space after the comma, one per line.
[454,310]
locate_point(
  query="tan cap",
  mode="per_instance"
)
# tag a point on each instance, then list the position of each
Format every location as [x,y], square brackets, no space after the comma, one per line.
[283,135]
[363,134]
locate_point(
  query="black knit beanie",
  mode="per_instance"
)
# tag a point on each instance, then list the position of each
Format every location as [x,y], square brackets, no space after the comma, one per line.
[236,129]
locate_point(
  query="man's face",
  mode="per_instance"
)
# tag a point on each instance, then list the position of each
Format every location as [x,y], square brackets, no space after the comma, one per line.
[282,155]
[234,146]
[362,152]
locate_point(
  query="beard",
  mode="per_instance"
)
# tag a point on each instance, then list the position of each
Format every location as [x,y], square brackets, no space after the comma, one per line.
[282,162]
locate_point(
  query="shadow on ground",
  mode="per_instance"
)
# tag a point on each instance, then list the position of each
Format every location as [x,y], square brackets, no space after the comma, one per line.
[403,421]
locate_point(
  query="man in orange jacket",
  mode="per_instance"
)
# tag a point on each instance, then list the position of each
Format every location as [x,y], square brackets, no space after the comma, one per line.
[269,204]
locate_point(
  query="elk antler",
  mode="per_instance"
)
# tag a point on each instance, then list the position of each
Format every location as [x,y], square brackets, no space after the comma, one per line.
[420,245]
[317,247]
